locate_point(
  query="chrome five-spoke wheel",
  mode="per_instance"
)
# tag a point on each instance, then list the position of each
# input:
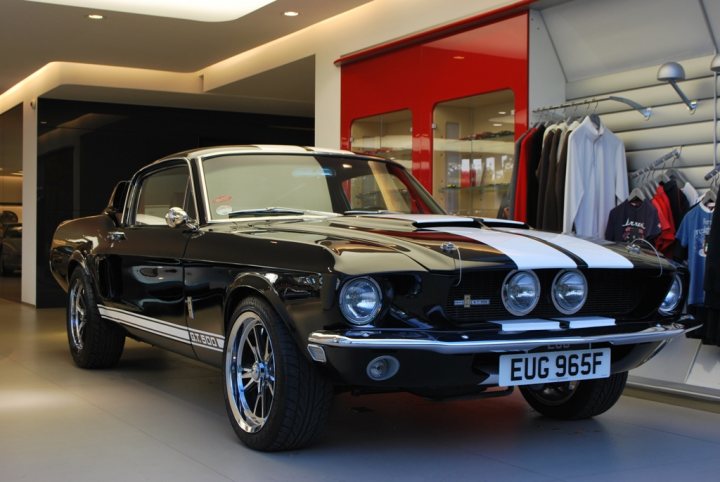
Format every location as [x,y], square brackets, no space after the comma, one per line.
[251,372]
[94,342]
[275,398]
[77,316]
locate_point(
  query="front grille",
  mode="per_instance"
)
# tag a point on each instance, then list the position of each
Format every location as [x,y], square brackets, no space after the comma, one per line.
[612,293]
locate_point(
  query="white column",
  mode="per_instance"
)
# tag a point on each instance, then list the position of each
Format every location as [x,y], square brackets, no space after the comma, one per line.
[29,201]
[327,102]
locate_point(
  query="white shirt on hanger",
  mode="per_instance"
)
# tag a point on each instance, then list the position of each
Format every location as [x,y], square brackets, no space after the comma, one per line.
[595,180]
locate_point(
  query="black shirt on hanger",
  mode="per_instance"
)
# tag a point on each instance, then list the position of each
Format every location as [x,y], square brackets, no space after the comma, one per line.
[534,147]
[550,220]
[542,174]
[712,264]
[679,204]
[632,220]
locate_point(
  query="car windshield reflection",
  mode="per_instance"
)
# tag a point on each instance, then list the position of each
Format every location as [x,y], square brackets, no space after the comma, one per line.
[276,185]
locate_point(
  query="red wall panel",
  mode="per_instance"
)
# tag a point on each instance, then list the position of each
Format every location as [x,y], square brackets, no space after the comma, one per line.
[494,57]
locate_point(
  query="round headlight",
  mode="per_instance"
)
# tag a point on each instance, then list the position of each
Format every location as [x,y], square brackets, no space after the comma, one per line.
[521,292]
[569,291]
[673,297]
[360,300]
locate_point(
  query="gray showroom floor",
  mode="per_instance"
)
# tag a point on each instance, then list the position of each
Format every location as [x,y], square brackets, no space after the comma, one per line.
[160,417]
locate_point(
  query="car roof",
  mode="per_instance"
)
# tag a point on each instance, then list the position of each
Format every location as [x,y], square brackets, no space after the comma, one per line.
[260,149]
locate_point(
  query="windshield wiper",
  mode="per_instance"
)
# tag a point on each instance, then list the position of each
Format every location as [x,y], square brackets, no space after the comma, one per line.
[276,211]
[370,211]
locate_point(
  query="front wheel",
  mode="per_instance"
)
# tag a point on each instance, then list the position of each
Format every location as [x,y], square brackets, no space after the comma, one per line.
[575,400]
[275,398]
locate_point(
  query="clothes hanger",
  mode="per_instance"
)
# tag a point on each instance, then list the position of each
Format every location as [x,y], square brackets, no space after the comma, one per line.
[675,173]
[710,196]
[636,197]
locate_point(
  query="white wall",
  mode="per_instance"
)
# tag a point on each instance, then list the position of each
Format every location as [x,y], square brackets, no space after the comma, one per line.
[29,200]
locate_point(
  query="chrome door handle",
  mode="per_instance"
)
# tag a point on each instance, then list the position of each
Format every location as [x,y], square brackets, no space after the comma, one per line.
[115,236]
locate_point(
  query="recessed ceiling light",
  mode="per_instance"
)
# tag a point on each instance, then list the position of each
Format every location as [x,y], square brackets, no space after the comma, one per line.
[497,125]
[291,13]
[502,112]
[199,10]
[95,16]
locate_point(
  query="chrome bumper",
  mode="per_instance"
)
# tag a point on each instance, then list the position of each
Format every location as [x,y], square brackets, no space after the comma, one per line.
[463,342]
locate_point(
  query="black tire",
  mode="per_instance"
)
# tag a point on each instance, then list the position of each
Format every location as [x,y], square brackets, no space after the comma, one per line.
[576,400]
[94,342]
[275,398]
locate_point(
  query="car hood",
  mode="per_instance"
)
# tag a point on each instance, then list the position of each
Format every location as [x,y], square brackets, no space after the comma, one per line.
[442,243]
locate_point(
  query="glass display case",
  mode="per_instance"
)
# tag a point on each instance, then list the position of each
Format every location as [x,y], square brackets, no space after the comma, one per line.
[386,135]
[473,152]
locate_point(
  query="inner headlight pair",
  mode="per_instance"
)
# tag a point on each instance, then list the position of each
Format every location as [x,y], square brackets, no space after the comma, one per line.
[521,292]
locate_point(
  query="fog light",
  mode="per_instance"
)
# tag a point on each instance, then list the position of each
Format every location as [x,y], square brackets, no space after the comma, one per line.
[383,368]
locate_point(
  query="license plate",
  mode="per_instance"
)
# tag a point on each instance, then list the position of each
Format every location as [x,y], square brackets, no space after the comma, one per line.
[554,366]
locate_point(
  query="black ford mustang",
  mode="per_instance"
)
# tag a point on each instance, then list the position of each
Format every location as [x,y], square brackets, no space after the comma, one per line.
[300,272]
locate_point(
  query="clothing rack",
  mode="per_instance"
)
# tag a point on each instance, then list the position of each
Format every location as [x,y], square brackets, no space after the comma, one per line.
[646,112]
[670,156]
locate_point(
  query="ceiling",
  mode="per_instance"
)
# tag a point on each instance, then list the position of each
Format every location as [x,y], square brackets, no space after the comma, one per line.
[34,34]
[590,37]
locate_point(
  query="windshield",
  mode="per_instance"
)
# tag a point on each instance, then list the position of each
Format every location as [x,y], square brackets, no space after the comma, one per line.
[283,184]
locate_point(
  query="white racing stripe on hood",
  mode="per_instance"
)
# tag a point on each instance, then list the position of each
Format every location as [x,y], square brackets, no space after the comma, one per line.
[421,219]
[526,253]
[595,255]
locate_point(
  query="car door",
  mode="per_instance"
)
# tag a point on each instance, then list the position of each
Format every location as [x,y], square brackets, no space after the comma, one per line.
[140,263]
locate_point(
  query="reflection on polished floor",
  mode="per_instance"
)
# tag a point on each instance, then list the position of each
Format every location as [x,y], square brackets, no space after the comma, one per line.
[10,287]
[159,416]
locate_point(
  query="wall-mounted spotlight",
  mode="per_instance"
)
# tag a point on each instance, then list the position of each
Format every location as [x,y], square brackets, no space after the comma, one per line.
[672,72]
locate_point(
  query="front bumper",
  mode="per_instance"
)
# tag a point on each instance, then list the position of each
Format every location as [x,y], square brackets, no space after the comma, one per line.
[462,342]
[470,357]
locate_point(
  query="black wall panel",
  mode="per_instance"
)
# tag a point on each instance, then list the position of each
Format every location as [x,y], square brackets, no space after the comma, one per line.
[85,148]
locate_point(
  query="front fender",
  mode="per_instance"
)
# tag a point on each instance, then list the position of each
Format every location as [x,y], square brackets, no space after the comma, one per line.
[257,284]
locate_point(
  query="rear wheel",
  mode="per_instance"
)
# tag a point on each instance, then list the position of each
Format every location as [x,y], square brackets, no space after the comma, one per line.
[575,400]
[275,398]
[94,342]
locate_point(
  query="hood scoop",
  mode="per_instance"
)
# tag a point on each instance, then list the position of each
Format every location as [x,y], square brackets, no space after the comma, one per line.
[429,220]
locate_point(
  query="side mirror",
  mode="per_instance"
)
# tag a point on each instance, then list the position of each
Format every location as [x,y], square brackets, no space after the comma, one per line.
[176,217]
[116,204]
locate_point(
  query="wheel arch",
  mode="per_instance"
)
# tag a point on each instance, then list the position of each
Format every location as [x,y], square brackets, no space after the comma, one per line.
[253,284]
[76,261]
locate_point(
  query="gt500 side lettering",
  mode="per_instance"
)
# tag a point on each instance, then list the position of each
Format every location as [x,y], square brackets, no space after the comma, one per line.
[553,367]
[204,340]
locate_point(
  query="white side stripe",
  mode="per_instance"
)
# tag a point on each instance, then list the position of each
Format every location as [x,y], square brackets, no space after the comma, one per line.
[162,328]
[525,253]
[593,254]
